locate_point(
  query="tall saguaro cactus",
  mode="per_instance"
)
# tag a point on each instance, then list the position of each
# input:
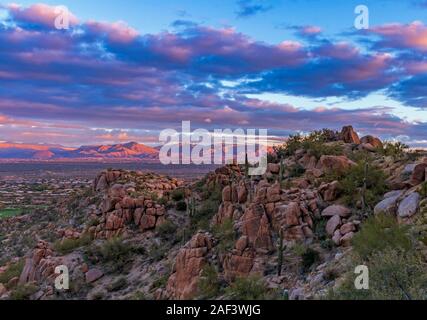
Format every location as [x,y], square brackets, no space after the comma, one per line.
[246,166]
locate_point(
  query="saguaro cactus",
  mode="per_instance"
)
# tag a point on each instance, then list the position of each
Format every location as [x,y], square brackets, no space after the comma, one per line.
[191,207]
[246,166]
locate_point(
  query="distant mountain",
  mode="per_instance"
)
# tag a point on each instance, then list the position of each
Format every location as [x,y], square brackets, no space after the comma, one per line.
[131,150]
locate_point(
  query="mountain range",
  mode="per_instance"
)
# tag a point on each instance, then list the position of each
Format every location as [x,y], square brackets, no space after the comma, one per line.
[131,150]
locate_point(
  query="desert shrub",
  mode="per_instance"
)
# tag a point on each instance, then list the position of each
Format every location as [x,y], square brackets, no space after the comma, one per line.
[225,234]
[204,213]
[377,234]
[23,292]
[316,144]
[394,274]
[320,229]
[330,274]
[13,271]
[161,281]
[309,258]
[181,206]
[98,295]
[157,252]
[209,285]
[396,150]
[423,190]
[138,296]
[113,252]
[66,246]
[293,143]
[93,222]
[167,230]
[353,181]
[249,288]
[118,284]
[296,171]
[178,195]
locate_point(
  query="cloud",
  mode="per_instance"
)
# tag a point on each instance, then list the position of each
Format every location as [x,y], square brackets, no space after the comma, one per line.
[108,75]
[37,15]
[411,36]
[248,8]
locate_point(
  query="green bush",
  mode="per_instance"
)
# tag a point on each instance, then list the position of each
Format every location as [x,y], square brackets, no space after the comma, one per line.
[66,246]
[161,282]
[316,144]
[423,190]
[181,206]
[204,213]
[209,285]
[296,171]
[394,274]
[178,195]
[248,288]
[396,150]
[167,230]
[352,183]
[309,258]
[377,234]
[13,271]
[225,234]
[157,252]
[23,292]
[114,252]
[118,284]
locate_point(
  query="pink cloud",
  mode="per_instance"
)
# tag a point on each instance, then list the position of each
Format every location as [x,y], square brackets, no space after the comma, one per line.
[40,14]
[413,35]
[118,32]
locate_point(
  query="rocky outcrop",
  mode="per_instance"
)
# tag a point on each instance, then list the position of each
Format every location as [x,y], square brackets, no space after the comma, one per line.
[255,226]
[39,264]
[240,261]
[130,197]
[190,261]
[334,164]
[348,135]
[373,141]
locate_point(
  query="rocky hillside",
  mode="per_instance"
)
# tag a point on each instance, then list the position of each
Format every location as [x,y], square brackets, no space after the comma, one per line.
[330,201]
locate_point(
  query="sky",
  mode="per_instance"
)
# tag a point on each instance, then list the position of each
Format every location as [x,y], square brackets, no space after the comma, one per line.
[125,70]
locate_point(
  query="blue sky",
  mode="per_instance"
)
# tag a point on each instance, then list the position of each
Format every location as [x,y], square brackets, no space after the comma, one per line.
[287,65]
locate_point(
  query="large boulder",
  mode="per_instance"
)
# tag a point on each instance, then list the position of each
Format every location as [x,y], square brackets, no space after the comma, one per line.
[419,174]
[373,141]
[334,164]
[389,204]
[336,210]
[93,275]
[409,206]
[333,225]
[348,135]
